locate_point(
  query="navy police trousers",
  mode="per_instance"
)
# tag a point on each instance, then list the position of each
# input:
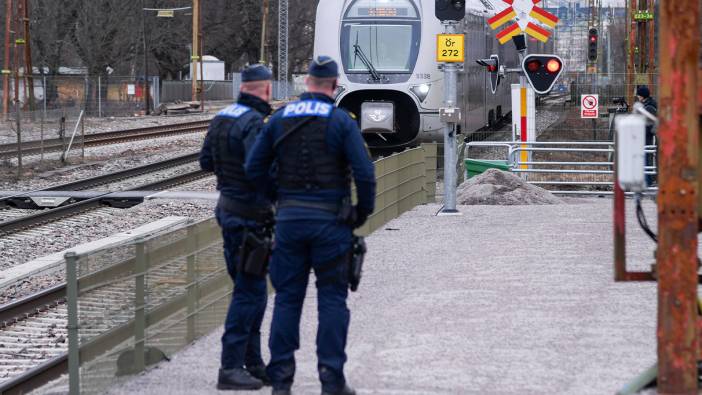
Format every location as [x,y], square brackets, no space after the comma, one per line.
[241,342]
[301,245]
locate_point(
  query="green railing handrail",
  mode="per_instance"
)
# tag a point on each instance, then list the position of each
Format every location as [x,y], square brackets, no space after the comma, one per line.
[405,180]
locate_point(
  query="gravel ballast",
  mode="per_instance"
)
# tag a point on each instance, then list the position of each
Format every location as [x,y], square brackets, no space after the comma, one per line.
[105,222]
[500,188]
[503,300]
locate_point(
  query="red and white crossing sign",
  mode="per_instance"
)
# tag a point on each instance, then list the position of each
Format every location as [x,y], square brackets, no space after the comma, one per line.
[528,17]
[590,106]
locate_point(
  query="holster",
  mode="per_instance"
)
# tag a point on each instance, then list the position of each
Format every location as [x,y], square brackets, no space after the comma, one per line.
[359,250]
[254,253]
[347,212]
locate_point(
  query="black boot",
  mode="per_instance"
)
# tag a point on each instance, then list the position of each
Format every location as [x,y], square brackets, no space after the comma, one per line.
[237,379]
[259,372]
[281,392]
[345,391]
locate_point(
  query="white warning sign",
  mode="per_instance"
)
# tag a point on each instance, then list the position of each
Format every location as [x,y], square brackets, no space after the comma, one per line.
[590,106]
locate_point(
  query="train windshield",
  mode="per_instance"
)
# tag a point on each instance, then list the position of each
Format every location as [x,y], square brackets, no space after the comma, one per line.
[388,47]
[380,36]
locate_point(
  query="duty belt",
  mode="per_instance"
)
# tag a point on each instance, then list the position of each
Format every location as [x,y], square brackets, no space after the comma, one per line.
[329,207]
[245,211]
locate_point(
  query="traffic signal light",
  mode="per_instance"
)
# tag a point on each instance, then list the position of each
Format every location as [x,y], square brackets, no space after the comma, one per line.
[592,39]
[542,71]
[450,10]
[493,67]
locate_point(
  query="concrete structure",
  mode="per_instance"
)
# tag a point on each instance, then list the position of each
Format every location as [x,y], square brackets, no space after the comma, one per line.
[503,300]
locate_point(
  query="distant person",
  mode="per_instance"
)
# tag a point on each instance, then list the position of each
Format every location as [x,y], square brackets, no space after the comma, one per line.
[245,216]
[317,150]
[643,94]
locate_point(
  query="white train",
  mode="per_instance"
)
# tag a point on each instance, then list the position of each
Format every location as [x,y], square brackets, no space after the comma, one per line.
[389,74]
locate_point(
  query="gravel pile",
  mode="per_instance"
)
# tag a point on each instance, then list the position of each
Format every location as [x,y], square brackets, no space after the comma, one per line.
[499,188]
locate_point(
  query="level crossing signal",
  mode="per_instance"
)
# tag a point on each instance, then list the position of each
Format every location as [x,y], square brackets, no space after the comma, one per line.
[493,67]
[542,71]
[450,10]
[592,39]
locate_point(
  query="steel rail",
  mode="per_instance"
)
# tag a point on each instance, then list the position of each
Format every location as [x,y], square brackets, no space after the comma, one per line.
[81,185]
[107,138]
[53,215]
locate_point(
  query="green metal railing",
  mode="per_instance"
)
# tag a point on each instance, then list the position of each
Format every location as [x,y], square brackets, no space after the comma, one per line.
[131,305]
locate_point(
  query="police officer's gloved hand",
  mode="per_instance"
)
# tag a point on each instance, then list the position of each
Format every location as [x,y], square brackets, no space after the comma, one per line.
[360,217]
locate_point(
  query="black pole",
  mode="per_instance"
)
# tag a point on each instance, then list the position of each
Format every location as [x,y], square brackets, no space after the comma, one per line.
[147,101]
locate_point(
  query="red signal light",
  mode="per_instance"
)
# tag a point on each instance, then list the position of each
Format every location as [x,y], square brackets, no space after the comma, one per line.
[593,39]
[492,68]
[553,66]
[533,66]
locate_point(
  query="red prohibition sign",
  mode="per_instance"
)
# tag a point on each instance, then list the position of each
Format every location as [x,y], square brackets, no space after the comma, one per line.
[589,102]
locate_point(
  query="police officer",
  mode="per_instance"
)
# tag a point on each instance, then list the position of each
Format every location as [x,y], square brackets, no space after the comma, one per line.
[315,148]
[643,94]
[241,210]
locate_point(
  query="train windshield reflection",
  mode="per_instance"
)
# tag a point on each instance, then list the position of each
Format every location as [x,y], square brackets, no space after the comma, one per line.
[388,47]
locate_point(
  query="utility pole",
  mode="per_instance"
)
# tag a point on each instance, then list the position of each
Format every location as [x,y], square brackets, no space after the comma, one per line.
[29,70]
[147,101]
[6,71]
[18,105]
[264,25]
[195,56]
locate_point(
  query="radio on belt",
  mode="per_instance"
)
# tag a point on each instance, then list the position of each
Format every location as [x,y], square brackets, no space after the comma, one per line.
[631,152]
[450,115]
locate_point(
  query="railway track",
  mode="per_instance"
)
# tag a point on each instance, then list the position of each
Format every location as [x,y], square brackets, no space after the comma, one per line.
[33,330]
[59,213]
[105,179]
[34,147]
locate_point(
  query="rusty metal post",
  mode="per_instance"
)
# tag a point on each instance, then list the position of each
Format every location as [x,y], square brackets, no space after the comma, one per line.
[677,200]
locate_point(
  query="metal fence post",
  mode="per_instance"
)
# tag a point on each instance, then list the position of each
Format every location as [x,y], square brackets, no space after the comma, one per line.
[139,307]
[72,327]
[192,245]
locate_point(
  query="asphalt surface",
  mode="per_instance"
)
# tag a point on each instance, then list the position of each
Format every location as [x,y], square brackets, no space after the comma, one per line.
[503,300]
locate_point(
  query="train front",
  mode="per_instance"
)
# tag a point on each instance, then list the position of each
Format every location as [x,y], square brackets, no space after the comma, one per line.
[387,77]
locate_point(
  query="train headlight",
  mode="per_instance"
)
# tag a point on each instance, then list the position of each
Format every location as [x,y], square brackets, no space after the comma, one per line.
[421,91]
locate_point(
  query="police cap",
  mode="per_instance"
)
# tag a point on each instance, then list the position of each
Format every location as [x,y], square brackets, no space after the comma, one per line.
[324,67]
[256,72]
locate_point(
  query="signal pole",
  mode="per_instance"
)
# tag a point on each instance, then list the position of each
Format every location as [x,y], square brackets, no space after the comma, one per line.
[450,155]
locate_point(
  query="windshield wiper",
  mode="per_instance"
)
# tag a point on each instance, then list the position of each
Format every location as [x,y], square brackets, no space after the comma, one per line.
[358,52]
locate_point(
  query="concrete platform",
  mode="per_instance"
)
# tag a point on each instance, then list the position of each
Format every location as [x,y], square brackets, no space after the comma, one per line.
[503,300]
